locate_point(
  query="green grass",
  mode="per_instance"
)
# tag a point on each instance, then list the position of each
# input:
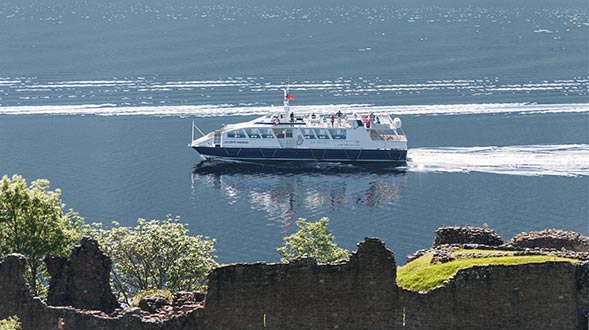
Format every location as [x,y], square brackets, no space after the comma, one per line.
[420,275]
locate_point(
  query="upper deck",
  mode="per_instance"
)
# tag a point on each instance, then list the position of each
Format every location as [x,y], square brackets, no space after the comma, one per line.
[381,125]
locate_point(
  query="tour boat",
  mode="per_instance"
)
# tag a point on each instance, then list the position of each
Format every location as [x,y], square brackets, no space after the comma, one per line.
[286,135]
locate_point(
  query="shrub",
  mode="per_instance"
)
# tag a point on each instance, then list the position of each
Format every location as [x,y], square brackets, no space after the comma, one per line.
[11,323]
[155,255]
[314,240]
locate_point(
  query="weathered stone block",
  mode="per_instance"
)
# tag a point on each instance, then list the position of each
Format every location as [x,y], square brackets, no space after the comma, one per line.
[551,239]
[467,235]
[83,280]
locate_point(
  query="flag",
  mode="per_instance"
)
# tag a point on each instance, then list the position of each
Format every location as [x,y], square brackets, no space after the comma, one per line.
[289,97]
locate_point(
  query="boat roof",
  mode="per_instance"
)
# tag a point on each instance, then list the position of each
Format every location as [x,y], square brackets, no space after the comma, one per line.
[311,120]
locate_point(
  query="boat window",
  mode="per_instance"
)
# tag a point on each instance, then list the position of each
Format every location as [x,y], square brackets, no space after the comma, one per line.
[382,134]
[308,133]
[388,132]
[279,133]
[321,133]
[338,134]
[282,133]
[253,133]
[266,133]
[237,134]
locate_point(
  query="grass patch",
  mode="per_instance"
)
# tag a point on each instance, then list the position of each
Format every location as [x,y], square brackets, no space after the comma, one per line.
[420,275]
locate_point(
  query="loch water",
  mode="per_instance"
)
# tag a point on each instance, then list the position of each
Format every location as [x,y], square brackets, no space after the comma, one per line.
[99,98]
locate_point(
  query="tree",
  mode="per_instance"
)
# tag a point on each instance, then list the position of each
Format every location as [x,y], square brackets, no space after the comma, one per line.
[156,255]
[33,222]
[314,240]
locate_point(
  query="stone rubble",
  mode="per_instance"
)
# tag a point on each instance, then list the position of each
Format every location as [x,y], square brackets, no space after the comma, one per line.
[157,308]
[555,242]
[151,303]
[467,235]
[552,239]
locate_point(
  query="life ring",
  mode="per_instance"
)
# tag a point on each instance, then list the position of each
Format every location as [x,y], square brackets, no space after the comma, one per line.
[276,121]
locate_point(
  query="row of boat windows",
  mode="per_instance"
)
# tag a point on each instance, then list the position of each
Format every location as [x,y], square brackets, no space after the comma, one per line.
[281,133]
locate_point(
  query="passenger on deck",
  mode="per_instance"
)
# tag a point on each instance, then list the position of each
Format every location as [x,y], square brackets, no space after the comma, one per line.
[292,117]
[332,119]
[313,116]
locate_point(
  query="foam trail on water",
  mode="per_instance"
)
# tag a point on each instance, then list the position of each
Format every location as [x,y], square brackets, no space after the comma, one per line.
[570,160]
[217,110]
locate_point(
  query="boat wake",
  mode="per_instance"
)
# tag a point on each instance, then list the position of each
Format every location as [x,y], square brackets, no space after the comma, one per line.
[570,160]
[224,110]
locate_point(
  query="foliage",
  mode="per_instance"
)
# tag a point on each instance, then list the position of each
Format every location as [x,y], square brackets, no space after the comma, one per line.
[155,255]
[421,275]
[142,294]
[11,323]
[314,240]
[33,223]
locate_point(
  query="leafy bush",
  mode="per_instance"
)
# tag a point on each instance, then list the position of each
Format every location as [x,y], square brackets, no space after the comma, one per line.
[11,323]
[155,255]
[314,240]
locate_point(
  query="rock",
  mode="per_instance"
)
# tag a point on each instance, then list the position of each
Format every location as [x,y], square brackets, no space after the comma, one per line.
[467,235]
[551,239]
[182,298]
[153,302]
[83,280]
[133,310]
[416,255]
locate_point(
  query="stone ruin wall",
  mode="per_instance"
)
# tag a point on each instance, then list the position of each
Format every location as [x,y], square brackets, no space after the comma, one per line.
[359,294]
[532,296]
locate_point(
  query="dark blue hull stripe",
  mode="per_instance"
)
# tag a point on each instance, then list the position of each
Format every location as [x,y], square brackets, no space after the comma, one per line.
[326,155]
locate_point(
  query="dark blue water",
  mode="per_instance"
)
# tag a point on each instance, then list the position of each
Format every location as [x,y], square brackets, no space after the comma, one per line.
[99,98]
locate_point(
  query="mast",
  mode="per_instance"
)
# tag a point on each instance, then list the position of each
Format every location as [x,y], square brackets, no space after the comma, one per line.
[286,104]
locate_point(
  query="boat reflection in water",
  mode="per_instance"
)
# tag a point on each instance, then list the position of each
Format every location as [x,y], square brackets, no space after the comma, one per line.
[286,191]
